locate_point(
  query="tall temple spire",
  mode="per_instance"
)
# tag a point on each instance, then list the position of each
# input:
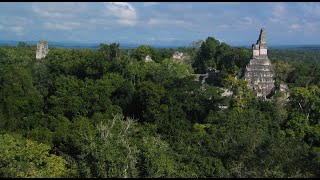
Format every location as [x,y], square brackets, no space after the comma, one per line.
[259,71]
[262,37]
[260,48]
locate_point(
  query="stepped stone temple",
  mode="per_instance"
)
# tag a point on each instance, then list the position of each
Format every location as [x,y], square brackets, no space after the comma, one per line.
[259,71]
[180,56]
[42,49]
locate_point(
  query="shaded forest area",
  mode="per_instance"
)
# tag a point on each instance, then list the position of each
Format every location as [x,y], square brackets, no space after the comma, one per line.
[108,113]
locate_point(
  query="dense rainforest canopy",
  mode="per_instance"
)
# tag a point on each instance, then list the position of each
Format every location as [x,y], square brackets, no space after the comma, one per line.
[108,113]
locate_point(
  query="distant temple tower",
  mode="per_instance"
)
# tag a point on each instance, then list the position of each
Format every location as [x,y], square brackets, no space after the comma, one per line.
[148,59]
[259,71]
[42,49]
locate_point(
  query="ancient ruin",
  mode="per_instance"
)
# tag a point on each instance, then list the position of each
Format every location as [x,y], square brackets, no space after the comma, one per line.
[259,71]
[42,49]
[180,56]
[148,59]
[177,55]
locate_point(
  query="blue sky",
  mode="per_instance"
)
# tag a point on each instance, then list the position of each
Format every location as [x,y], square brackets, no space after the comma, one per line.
[171,23]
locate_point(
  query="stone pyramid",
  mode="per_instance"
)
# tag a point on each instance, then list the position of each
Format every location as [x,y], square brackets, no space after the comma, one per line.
[259,71]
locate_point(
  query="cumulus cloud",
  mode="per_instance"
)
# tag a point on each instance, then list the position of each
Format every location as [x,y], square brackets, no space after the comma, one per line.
[311,9]
[304,17]
[19,30]
[278,12]
[155,19]
[60,16]
[58,9]
[61,25]
[15,24]
[66,16]
[124,11]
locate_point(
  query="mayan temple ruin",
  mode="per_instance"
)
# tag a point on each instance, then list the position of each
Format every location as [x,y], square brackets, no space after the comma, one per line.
[42,49]
[180,56]
[259,71]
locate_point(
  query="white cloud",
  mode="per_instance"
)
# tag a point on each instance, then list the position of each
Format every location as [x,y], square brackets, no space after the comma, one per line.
[62,15]
[168,22]
[147,4]
[19,30]
[295,26]
[61,25]
[15,24]
[247,21]
[124,11]
[59,10]
[14,20]
[156,21]
[79,15]
[311,9]
[37,9]
[303,18]
[278,12]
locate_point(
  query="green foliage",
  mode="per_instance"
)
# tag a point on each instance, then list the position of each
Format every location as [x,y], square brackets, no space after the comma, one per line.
[156,159]
[242,94]
[148,99]
[80,105]
[18,98]
[142,51]
[109,151]
[221,56]
[304,118]
[305,55]
[282,70]
[22,45]
[23,158]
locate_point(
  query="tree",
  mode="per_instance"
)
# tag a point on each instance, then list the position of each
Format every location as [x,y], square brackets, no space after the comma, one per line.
[242,94]
[148,99]
[28,159]
[18,98]
[197,43]
[156,159]
[22,45]
[206,56]
[142,51]
[304,114]
[110,151]
[282,69]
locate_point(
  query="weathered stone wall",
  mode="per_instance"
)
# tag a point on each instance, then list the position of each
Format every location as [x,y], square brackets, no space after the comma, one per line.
[180,56]
[148,59]
[42,49]
[177,55]
[259,71]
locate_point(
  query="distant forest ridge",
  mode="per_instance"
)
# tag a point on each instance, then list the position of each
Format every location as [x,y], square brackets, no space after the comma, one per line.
[124,45]
[83,45]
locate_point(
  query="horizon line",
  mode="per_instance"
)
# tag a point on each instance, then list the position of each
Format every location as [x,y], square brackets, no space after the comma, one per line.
[75,43]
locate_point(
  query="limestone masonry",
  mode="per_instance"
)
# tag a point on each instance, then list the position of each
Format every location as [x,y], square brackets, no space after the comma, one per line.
[180,56]
[42,49]
[259,71]
[148,59]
